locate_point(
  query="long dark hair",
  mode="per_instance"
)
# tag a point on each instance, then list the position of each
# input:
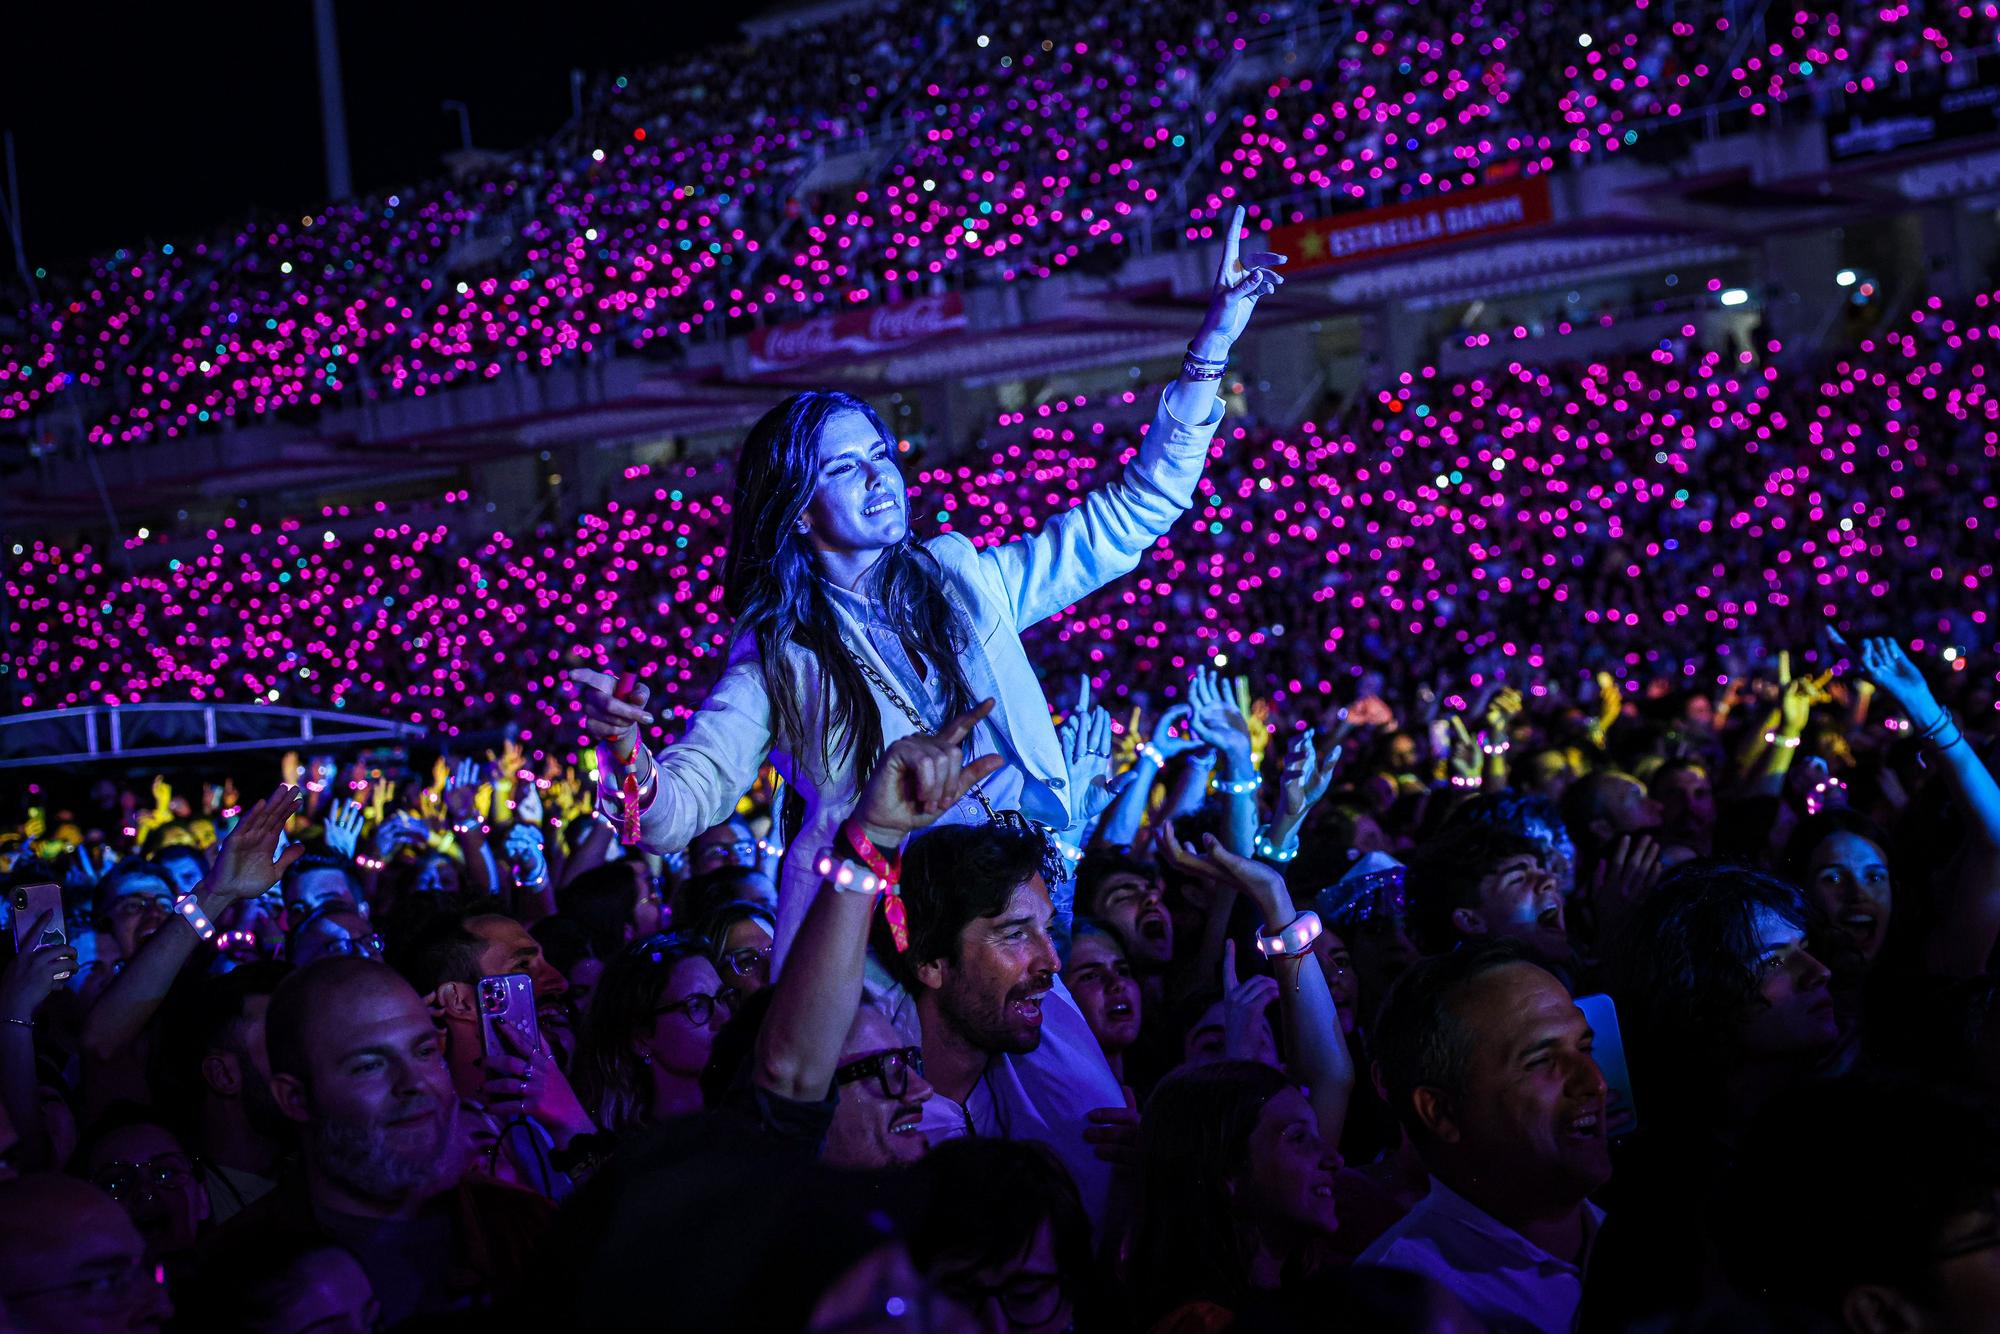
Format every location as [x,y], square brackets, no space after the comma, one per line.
[1683,973]
[777,592]
[610,1078]
[1193,1242]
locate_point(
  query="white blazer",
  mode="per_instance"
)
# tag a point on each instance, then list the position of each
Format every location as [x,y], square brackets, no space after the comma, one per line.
[997,591]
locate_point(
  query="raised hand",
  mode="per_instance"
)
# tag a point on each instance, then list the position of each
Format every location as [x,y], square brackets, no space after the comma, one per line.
[399,831]
[528,806]
[523,849]
[461,791]
[1883,661]
[1465,762]
[1086,745]
[606,717]
[920,778]
[524,1080]
[1624,877]
[1370,711]
[379,796]
[1501,709]
[32,975]
[1163,739]
[1240,280]
[1219,723]
[1795,704]
[343,828]
[1307,775]
[250,861]
[1243,1004]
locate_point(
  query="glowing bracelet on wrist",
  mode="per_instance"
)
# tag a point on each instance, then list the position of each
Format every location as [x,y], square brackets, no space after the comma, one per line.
[1271,852]
[189,907]
[1295,939]
[1776,739]
[1152,755]
[1241,787]
[849,876]
[887,870]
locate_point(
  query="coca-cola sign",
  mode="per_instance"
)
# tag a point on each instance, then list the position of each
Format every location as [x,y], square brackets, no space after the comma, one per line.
[855,333]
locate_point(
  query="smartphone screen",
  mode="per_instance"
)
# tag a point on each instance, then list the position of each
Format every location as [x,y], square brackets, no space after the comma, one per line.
[25,905]
[1621,1114]
[509,997]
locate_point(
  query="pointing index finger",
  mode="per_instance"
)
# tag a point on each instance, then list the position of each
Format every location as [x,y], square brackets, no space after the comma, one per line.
[1232,250]
[959,728]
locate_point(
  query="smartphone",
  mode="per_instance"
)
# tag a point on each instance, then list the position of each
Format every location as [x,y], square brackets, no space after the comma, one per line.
[509,997]
[1621,1114]
[29,902]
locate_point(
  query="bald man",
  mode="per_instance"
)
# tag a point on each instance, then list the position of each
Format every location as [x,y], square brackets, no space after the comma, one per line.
[357,1063]
[72,1263]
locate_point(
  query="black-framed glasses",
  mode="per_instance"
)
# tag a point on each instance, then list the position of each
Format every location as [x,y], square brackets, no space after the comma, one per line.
[1027,1299]
[700,1008]
[891,1070]
[747,959]
[370,946]
[127,1181]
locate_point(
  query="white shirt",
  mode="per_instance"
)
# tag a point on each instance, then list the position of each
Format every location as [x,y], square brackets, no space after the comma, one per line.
[1042,1096]
[1004,789]
[998,591]
[1508,1281]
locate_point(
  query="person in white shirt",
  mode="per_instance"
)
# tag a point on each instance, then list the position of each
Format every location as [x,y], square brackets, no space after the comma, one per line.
[850,633]
[1005,1047]
[1486,1059]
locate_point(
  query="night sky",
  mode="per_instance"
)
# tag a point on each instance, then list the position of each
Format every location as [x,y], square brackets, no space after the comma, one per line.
[142,124]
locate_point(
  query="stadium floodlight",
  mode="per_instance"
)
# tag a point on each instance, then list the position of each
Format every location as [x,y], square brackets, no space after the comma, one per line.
[1734,296]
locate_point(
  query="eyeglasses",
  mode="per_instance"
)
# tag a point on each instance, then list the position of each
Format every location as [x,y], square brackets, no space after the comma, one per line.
[699,1009]
[747,960]
[130,906]
[366,947]
[128,1181]
[743,852]
[889,1069]
[1027,1299]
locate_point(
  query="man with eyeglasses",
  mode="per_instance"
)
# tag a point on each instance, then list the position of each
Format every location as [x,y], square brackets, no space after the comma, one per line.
[145,1167]
[134,900]
[818,1038]
[728,844]
[330,930]
[72,1263]
[975,954]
